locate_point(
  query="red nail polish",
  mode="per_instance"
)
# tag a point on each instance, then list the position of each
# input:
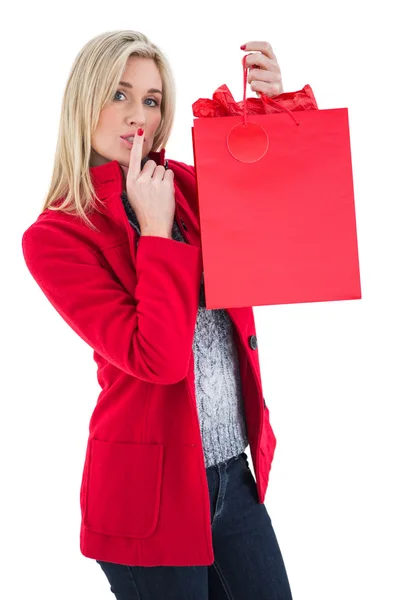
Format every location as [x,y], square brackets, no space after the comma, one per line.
[243,47]
[140,131]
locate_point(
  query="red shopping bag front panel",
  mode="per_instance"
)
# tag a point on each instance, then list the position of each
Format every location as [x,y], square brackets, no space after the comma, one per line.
[281,229]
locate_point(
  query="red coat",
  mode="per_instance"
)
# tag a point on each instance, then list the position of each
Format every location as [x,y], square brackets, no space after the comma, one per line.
[144,494]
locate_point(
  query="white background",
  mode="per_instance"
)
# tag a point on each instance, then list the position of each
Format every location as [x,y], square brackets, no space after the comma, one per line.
[330,370]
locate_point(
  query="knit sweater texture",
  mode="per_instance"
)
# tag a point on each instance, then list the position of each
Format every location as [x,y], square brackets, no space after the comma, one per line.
[218,388]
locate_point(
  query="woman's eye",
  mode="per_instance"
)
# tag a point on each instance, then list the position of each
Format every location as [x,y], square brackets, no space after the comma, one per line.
[151,99]
[118,93]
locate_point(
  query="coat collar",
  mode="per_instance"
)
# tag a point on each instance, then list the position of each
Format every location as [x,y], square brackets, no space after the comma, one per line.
[108,178]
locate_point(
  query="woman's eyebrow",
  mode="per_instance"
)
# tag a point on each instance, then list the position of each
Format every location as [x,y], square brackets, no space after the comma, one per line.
[150,91]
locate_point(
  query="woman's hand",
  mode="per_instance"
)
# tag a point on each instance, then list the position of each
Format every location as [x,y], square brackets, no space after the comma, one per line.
[150,192]
[264,73]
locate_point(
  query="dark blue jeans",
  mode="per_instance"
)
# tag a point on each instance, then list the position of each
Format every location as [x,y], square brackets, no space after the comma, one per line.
[248,563]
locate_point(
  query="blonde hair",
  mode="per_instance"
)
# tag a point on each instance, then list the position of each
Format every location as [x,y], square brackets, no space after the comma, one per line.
[91,85]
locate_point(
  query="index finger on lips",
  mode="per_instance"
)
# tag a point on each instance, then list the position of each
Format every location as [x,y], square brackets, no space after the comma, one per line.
[136,154]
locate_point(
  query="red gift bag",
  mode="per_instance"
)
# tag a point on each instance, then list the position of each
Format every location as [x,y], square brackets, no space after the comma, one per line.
[276,200]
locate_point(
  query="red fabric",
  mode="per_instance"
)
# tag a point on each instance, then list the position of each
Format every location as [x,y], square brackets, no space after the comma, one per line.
[282,185]
[144,492]
[223,103]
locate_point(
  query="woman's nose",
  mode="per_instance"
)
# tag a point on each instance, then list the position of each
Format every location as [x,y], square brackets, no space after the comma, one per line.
[138,117]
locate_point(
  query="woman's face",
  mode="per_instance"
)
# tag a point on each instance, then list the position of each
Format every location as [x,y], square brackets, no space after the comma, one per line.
[135,105]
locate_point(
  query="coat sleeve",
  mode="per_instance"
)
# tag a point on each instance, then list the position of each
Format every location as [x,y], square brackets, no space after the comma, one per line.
[148,335]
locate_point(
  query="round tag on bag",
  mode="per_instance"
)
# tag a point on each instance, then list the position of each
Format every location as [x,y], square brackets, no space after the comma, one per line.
[247,142]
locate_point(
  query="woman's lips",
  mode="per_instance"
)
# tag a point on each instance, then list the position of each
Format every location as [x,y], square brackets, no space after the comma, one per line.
[128,143]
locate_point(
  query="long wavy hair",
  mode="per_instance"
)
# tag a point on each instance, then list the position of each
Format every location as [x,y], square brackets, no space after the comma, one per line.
[91,85]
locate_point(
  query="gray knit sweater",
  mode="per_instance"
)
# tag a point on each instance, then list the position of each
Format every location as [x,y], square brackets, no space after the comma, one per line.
[217,377]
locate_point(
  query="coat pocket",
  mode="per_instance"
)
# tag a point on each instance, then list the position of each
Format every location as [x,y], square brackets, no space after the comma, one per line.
[123,488]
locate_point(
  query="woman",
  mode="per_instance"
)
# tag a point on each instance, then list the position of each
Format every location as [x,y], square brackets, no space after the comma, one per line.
[166,482]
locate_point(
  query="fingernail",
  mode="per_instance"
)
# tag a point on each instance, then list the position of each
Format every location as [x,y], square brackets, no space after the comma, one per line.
[243,47]
[140,131]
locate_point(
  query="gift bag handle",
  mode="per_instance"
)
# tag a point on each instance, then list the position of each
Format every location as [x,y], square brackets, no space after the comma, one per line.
[265,99]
